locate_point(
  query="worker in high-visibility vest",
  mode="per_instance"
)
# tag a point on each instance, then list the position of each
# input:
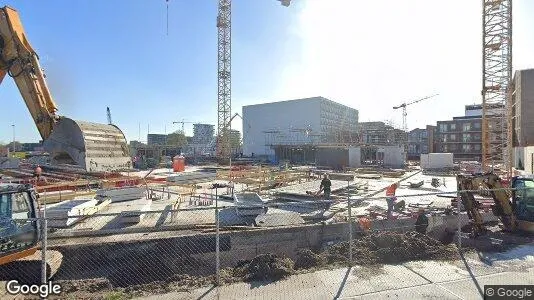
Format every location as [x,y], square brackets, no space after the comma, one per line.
[365,223]
[390,194]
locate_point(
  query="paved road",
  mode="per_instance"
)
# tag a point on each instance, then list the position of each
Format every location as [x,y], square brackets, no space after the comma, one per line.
[463,279]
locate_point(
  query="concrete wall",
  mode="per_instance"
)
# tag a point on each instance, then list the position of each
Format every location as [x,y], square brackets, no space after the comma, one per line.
[163,255]
[394,156]
[524,83]
[297,114]
[437,160]
[332,157]
[355,157]
[523,108]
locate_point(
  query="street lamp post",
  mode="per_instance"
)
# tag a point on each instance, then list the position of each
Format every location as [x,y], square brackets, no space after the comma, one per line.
[14,149]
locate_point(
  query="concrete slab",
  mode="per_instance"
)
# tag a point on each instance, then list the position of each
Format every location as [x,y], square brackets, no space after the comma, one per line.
[361,281]
[473,289]
[427,291]
[438,271]
[136,213]
[305,286]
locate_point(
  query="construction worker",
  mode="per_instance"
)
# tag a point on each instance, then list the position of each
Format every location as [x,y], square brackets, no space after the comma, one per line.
[422,221]
[365,223]
[325,186]
[390,198]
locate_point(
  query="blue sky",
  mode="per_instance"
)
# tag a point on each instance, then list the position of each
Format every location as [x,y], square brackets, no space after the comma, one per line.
[370,55]
[118,54]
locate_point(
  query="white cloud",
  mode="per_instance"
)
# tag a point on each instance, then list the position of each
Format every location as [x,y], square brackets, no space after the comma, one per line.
[373,55]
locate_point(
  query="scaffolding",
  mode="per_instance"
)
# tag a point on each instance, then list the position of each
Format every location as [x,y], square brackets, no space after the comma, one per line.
[380,133]
[496,79]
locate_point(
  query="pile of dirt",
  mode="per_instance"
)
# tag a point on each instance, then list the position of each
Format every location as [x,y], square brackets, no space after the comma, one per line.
[369,251]
[263,267]
[94,285]
[307,259]
[393,247]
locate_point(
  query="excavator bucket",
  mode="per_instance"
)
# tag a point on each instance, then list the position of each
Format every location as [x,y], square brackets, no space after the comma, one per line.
[94,147]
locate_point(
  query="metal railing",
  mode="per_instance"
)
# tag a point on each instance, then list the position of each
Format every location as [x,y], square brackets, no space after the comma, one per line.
[221,243]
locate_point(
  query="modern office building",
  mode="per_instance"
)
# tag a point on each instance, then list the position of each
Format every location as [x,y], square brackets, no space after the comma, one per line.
[156,139]
[379,133]
[203,133]
[522,112]
[293,128]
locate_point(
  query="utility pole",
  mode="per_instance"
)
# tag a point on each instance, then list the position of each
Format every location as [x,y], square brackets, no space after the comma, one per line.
[14,149]
[224,76]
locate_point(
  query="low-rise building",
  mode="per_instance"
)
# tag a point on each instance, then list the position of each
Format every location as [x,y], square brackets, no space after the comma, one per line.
[461,136]
[379,133]
[522,110]
[156,139]
[417,143]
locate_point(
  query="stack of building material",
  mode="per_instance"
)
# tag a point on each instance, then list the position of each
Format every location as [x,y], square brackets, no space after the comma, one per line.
[249,204]
[336,176]
[192,177]
[279,219]
[9,163]
[136,211]
[341,176]
[470,167]
[369,176]
[62,195]
[70,212]
[121,194]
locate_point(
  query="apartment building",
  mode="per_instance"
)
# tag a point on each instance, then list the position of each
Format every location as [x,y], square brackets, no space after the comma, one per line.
[417,143]
[461,136]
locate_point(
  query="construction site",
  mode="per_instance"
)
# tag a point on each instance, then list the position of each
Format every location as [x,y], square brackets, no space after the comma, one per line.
[302,195]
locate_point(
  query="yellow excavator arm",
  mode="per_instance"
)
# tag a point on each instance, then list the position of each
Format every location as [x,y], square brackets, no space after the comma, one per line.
[468,184]
[19,60]
[92,146]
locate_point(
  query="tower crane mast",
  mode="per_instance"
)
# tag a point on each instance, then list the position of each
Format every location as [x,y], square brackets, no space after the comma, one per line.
[224,76]
[405,115]
[496,81]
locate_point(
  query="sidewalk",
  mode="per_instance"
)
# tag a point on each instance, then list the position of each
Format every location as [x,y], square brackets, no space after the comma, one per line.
[463,279]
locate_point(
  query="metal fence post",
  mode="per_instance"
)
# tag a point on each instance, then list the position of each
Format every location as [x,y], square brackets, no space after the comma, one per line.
[458,207]
[217,235]
[44,229]
[350,222]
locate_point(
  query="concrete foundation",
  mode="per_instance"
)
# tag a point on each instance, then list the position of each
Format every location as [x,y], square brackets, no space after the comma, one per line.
[159,255]
[436,161]
[394,156]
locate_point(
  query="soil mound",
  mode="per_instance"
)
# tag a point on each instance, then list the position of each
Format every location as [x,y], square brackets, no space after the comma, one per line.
[265,267]
[306,259]
[393,247]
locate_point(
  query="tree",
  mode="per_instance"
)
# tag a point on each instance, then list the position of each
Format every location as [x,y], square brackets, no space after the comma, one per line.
[176,139]
[18,146]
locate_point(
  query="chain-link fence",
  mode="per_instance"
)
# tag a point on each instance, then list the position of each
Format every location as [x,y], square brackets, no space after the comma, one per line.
[206,239]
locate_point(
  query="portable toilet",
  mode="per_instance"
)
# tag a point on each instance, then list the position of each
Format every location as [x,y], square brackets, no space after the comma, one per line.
[178,163]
